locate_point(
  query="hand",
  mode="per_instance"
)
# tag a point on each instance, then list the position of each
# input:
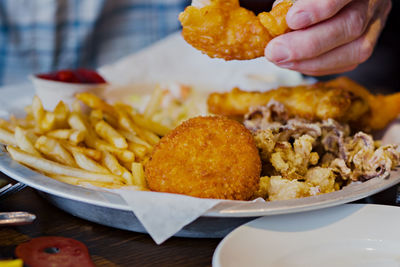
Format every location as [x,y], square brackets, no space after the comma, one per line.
[331,36]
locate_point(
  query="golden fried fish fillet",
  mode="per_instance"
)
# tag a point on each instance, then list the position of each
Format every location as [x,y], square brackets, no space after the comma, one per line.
[225,30]
[341,99]
[208,157]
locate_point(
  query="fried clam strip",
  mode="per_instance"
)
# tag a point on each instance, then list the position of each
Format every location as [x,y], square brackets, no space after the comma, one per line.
[223,29]
[341,99]
[303,158]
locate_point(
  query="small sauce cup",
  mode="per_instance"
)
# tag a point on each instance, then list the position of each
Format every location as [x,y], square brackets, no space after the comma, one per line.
[51,91]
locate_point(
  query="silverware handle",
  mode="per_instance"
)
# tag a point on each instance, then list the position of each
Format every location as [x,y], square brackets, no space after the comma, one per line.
[16,218]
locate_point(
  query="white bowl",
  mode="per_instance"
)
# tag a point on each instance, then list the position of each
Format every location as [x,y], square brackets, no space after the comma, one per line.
[51,92]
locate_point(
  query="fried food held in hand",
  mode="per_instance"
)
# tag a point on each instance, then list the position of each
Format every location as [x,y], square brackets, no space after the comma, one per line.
[225,30]
[341,99]
[207,157]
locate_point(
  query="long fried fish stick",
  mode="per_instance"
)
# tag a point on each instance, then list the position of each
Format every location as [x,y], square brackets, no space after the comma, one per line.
[341,99]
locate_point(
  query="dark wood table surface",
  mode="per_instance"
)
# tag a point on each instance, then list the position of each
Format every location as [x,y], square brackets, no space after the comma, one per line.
[113,247]
[107,246]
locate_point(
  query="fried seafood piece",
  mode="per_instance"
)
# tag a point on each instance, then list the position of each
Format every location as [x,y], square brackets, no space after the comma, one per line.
[207,157]
[225,30]
[382,109]
[341,99]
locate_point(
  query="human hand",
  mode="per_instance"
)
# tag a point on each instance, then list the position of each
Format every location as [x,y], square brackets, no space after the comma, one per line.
[331,36]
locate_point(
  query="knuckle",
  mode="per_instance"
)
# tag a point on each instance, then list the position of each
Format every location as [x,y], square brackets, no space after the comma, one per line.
[330,5]
[356,23]
[313,47]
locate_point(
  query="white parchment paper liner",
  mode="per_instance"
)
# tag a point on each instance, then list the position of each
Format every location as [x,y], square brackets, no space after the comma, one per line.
[173,60]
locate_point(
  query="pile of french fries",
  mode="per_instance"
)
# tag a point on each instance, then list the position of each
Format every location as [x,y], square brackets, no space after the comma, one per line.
[93,143]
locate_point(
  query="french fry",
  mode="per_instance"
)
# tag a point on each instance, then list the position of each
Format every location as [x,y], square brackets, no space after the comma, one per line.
[48,122]
[95,102]
[83,182]
[149,136]
[139,150]
[94,148]
[154,102]
[30,134]
[76,122]
[122,154]
[6,125]
[87,163]
[54,150]
[61,112]
[113,121]
[37,109]
[142,121]
[146,135]
[75,136]
[108,133]
[100,184]
[27,122]
[150,125]
[138,175]
[135,139]
[52,167]
[45,121]
[124,121]
[28,110]
[95,116]
[111,162]
[7,138]
[76,106]
[23,141]
[91,153]
[60,133]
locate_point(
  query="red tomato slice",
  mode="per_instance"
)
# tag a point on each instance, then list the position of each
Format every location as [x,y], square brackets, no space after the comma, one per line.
[54,251]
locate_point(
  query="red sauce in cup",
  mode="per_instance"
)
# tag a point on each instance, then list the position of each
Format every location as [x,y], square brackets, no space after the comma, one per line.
[73,76]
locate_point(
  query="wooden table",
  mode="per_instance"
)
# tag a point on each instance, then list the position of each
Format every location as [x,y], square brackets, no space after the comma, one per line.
[113,247]
[107,246]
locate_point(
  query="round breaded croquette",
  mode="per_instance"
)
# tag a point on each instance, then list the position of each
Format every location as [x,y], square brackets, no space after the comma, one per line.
[207,157]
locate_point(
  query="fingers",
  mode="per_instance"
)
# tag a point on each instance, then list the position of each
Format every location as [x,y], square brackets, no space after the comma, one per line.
[308,12]
[348,56]
[349,24]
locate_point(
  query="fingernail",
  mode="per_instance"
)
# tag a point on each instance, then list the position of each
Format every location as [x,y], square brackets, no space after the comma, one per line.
[278,53]
[300,20]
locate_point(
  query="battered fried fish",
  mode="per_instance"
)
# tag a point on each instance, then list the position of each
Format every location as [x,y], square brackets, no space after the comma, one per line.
[225,30]
[208,157]
[341,99]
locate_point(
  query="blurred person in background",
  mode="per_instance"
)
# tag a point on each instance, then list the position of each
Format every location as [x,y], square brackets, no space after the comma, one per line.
[46,35]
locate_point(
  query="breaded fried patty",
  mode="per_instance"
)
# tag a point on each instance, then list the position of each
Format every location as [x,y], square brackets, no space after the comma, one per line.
[207,157]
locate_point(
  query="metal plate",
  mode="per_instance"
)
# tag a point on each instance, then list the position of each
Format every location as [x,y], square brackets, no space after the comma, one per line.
[110,209]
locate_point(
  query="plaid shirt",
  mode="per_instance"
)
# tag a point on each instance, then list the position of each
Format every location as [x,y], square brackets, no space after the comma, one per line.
[44,35]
